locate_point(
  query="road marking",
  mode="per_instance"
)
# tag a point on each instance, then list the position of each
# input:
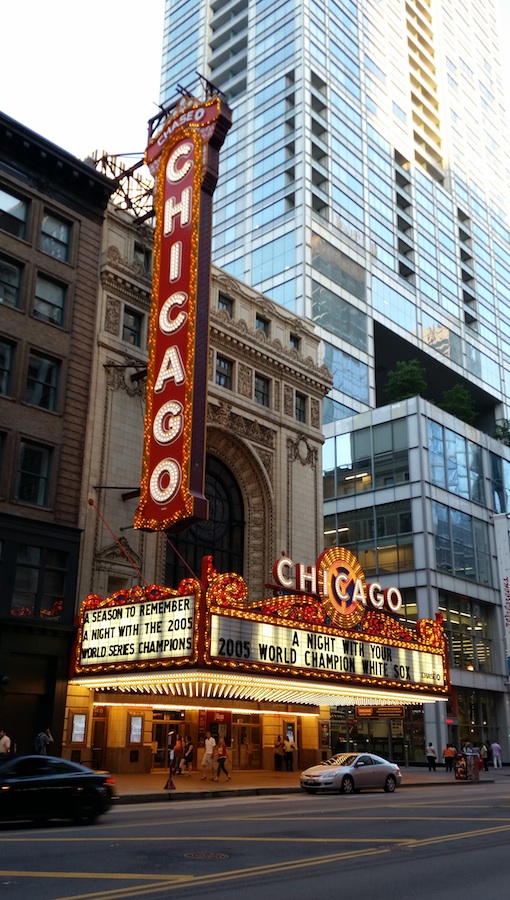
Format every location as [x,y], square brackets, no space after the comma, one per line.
[215,878]
[167,883]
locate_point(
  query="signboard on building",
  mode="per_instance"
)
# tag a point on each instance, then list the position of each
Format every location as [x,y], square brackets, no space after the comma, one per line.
[339,634]
[135,629]
[503,553]
[332,627]
[183,158]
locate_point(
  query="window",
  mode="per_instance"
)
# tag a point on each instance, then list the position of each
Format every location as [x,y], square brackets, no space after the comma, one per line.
[40,580]
[226,304]
[10,282]
[300,407]
[132,327]
[261,390]
[49,301]
[33,473]
[13,214]
[143,255]
[295,342]
[42,381]
[55,237]
[6,364]
[262,324]
[224,372]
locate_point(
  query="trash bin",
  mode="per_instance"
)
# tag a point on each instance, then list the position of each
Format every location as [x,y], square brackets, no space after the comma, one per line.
[460,767]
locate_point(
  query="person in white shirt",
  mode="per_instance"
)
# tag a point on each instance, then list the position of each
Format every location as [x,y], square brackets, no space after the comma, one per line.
[208,757]
[5,743]
[496,755]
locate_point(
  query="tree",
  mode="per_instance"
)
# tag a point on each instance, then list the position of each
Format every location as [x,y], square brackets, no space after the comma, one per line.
[502,431]
[459,403]
[406,380]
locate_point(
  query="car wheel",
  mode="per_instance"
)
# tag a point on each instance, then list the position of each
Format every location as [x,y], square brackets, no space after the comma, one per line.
[390,784]
[347,785]
[86,812]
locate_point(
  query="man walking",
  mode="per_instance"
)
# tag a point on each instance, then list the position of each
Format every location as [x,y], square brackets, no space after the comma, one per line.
[496,755]
[208,757]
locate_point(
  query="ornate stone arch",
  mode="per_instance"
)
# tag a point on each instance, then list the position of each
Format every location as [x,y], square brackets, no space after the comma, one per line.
[252,470]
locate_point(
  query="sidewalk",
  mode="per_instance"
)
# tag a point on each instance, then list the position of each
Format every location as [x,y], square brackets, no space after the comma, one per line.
[150,788]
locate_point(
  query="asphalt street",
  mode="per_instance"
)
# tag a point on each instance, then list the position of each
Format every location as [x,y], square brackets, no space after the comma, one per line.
[437,841]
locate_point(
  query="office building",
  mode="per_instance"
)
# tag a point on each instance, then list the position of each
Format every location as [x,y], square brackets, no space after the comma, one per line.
[364,187]
[51,214]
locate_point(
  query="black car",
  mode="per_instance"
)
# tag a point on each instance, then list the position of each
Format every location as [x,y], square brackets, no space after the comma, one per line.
[46,787]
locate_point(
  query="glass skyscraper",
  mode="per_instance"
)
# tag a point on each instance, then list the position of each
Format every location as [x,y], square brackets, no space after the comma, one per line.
[365,186]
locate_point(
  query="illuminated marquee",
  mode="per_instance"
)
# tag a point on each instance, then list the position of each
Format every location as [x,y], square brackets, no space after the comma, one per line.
[338,578]
[327,654]
[335,628]
[138,628]
[183,158]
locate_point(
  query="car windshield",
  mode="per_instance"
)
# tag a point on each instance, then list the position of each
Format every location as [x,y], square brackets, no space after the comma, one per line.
[343,759]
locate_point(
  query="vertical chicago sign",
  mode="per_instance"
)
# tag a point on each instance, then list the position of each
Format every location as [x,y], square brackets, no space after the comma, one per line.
[183,158]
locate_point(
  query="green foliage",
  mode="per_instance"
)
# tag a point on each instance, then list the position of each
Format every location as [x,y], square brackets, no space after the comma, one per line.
[406,380]
[502,432]
[459,403]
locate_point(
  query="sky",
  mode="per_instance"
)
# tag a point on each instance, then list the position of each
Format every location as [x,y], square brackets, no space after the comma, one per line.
[86,76]
[83,75]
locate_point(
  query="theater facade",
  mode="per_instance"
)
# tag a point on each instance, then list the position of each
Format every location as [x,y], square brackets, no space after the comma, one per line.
[318,660]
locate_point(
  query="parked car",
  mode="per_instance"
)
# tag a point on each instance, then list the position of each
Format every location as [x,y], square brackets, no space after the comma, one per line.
[46,787]
[349,772]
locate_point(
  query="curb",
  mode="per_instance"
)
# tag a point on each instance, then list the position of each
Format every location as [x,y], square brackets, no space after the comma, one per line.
[181,796]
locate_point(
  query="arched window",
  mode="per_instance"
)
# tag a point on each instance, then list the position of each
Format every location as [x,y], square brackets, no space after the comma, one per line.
[221,537]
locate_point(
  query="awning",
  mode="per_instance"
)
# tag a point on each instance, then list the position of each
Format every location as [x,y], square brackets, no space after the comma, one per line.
[188,687]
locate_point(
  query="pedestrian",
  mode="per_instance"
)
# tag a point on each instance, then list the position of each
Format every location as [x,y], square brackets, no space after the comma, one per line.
[208,757]
[5,743]
[496,755]
[42,742]
[187,757]
[448,756]
[289,747]
[171,750]
[222,759]
[278,754]
[484,753]
[178,751]
[431,757]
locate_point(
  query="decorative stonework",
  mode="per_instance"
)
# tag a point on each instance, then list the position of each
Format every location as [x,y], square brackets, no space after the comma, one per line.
[288,398]
[112,316]
[132,270]
[239,425]
[115,553]
[302,451]
[279,354]
[244,380]
[276,396]
[315,413]
[253,482]
[118,376]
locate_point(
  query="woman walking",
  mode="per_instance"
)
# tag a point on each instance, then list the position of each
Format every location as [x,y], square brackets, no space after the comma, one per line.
[222,759]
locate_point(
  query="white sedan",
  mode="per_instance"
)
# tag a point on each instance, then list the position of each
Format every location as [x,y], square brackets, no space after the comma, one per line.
[349,772]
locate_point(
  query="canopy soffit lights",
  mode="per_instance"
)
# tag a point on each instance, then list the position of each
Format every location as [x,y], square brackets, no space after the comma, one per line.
[188,686]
